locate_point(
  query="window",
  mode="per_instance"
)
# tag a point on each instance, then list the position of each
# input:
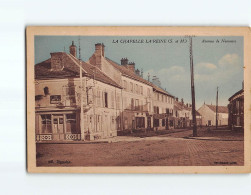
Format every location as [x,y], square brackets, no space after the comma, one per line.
[136,88]
[98,98]
[112,99]
[125,103]
[171,123]
[71,126]
[156,122]
[148,92]
[46,123]
[163,122]
[157,96]
[117,102]
[125,85]
[131,87]
[167,111]
[136,104]
[141,105]
[140,122]
[209,123]
[132,104]
[162,98]
[106,99]
[165,98]
[141,90]
[46,91]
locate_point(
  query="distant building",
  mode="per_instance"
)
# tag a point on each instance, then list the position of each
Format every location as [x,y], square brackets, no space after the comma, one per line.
[236,110]
[208,115]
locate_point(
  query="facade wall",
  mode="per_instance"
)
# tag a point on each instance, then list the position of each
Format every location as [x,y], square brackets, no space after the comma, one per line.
[163,108]
[236,112]
[137,104]
[60,104]
[208,117]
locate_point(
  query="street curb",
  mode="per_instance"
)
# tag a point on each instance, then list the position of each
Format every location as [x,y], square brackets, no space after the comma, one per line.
[74,142]
[211,139]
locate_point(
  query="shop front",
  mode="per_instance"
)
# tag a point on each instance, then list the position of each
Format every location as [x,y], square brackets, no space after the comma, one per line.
[57,125]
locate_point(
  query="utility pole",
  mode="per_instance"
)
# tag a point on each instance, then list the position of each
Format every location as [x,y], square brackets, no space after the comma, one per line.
[216,121]
[192,90]
[81,95]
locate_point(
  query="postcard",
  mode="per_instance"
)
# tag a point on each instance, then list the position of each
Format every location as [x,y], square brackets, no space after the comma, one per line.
[125,99]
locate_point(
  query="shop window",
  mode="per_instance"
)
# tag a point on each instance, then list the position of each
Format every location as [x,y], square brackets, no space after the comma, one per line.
[46,123]
[156,122]
[171,123]
[140,122]
[46,91]
[71,126]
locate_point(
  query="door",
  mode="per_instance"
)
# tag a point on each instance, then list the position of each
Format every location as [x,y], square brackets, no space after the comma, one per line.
[58,127]
[148,123]
[167,125]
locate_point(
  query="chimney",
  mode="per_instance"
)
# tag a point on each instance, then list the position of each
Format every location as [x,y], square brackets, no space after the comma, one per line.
[182,101]
[100,49]
[96,58]
[177,99]
[187,104]
[124,61]
[137,72]
[131,66]
[73,49]
[57,61]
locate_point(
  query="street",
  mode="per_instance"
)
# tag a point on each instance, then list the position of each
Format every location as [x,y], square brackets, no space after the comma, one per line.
[222,148]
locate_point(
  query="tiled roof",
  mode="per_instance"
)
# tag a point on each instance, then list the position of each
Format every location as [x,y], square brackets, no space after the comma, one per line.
[126,72]
[221,109]
[43,71]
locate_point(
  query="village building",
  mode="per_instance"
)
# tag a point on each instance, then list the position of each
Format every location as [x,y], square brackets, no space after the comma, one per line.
[58,99]
[163,106]
[182,113]
[208,115]
[236,110]
[141,98]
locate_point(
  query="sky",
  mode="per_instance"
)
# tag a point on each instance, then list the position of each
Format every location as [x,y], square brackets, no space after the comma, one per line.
[218,61]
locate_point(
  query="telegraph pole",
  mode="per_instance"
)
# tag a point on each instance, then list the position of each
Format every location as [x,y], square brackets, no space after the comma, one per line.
[192,90]
[216,121]
[81,95]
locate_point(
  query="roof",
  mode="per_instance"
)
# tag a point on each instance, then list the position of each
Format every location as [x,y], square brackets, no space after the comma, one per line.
[236,94]
[221,109]
[43,71]
[128,73]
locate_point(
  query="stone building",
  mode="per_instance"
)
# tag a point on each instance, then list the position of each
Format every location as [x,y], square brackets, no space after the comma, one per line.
[236,110]
[58,91]
[182,113]
[163,106]
[208,115]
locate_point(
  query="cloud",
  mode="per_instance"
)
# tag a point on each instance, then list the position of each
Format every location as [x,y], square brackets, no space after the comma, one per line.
[205,68]
[229,60]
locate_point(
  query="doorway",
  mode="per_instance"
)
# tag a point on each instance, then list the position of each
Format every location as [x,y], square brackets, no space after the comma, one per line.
[58,127]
